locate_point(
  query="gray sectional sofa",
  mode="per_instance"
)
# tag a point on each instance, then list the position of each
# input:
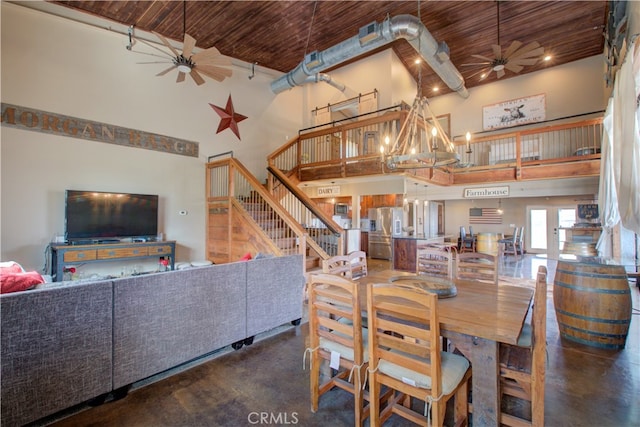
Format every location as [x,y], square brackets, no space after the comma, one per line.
[69,343]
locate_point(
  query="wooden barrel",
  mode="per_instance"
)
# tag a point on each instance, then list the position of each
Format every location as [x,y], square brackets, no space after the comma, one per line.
[487,243]
[592,303]
[587,249]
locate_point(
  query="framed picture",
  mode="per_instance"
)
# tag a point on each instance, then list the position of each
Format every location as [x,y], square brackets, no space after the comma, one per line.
[519,111]
[444,121]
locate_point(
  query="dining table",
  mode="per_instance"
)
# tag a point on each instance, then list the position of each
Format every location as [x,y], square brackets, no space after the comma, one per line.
[476,319]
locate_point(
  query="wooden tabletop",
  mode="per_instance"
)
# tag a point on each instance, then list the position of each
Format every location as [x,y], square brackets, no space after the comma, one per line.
[495,313]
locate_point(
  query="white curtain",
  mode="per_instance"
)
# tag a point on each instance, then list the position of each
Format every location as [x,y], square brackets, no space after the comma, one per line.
[627,142]
[619,192]
[607,195]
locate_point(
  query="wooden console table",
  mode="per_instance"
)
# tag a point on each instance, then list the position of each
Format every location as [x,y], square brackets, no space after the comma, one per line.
[62,255]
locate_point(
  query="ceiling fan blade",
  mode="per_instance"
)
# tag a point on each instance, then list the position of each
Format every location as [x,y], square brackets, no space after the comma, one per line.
[528,50]
[215,73]
[162,73]
[196,77]
[475,63]
[515,45]
[181,77]
[484,70]
[211,56]
[189,44]
[513,67]
[166,43]
[497,51]
[523,61]
[154,62]
[164,53]
[536,53]
[489,60]
[500,73]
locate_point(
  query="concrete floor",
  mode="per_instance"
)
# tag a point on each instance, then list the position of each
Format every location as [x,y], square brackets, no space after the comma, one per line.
[265,383]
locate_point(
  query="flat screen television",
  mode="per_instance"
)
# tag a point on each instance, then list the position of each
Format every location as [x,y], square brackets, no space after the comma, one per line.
[94,216]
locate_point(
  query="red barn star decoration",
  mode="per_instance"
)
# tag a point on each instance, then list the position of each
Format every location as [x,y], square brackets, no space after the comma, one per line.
[229,118]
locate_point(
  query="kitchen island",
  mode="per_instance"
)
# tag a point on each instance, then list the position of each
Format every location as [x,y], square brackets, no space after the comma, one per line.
[405,248]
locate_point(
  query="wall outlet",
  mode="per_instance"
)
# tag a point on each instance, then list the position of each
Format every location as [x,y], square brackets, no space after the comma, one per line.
[512,225]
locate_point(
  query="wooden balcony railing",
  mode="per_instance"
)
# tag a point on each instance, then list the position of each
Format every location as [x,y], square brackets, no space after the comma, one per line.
[353,149]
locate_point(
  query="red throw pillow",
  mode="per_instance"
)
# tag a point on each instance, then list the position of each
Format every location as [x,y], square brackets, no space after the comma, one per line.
[246,257]
[10,267]
[16,282]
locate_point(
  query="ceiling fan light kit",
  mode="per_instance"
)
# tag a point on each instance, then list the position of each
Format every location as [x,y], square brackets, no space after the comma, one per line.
[209,62]
[513,59]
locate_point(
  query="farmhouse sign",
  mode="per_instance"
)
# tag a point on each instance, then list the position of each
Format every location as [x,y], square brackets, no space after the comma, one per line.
[486,192]
[58,124]
[514,112]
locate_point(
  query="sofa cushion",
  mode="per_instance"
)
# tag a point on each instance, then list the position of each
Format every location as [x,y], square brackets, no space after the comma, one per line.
[14,279]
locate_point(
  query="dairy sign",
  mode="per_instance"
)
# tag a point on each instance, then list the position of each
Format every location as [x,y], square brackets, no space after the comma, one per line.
[486,192]
[329,191]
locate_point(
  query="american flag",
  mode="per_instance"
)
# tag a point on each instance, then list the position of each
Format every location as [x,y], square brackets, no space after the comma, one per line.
[484,216]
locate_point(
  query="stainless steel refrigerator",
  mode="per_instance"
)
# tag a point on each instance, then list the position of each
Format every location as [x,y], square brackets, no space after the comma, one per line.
[386,223]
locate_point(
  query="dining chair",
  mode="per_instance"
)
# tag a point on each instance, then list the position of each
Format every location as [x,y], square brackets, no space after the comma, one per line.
[520,242]
[477,266]
[336,340]
[522,366]
[509,245]
[358,264]
[338,265]
[435,262]
[467,242]
[405,357]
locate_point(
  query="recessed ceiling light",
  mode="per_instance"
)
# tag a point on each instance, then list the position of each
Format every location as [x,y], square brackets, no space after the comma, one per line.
[417,61]
[547,57]
[436,88]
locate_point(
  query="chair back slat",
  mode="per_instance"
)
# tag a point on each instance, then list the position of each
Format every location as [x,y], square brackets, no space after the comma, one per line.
[338,264]
[477,266]
[396,332]
[435,262]
[358,264]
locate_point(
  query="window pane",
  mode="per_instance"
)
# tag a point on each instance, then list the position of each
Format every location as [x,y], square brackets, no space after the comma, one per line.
[538,229]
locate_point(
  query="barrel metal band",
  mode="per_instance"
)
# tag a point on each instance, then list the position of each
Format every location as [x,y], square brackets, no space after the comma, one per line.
[594,290]
[595,319]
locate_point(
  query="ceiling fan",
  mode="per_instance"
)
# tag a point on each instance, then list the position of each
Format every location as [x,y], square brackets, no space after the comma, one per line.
[209,62]
[514,58]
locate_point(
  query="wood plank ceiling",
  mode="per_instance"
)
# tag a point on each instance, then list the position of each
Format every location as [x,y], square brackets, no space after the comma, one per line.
[278,34]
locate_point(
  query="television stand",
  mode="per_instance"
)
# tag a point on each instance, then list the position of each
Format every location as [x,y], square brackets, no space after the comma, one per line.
[62,255]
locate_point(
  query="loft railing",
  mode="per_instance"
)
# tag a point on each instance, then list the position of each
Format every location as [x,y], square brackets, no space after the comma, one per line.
[550,144]
[353,149]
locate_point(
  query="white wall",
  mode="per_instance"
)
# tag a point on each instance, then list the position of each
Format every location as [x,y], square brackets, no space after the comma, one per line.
[570,89]
[57,65]
[382,72]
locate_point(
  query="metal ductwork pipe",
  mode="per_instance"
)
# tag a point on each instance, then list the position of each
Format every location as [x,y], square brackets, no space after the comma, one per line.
[322,77]
[373,36]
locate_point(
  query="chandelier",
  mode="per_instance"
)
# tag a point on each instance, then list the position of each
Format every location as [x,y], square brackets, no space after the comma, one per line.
[420,143]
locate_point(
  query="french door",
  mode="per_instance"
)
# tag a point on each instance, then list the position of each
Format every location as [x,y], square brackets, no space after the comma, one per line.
[544,233]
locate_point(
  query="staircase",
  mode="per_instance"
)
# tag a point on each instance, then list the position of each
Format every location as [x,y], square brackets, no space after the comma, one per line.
[245,217]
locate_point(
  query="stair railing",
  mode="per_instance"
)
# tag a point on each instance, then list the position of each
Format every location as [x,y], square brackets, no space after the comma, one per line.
[229,179]
[324,235]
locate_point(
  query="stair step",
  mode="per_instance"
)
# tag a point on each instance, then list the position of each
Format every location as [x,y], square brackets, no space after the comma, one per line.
[312,263]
